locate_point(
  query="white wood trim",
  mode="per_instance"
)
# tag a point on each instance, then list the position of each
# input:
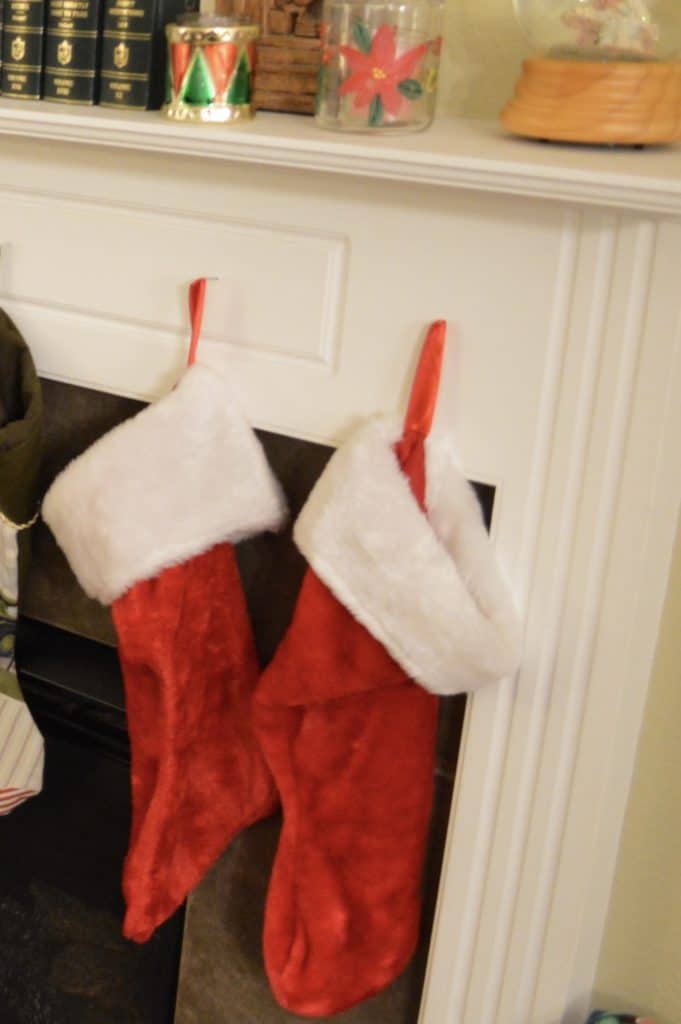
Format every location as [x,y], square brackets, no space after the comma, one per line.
[483,753]
[567,367]
[453,152]
[554,613]
[643,500]
[586,639]
[546,762]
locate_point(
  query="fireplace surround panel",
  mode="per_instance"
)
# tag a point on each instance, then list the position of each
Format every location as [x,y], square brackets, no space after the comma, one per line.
[557,274]
[74,684]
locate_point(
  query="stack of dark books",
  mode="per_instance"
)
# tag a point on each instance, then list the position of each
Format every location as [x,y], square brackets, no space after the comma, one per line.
[110,52]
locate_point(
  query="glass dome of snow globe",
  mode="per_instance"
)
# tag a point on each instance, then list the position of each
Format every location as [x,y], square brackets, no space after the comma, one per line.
[603,71]
[638,30]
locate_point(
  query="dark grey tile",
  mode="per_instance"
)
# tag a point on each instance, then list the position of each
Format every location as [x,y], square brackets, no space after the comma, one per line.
[74,418]
[53,595]
[222,978]
[62,957]
[450,727]
[271,566]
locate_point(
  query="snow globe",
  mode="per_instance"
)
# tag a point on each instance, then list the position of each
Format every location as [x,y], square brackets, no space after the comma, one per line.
[605,71]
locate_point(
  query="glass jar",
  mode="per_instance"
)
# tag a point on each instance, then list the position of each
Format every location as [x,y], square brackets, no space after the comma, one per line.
[380,65]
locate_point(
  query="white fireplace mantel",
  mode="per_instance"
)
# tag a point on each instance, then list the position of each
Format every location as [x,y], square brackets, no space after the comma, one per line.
[455,153]
[557,269]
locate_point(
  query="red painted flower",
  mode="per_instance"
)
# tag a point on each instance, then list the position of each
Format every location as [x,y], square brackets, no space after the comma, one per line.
[380,71]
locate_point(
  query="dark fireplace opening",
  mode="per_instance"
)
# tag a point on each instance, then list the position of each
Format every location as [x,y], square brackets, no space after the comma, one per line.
[62,958]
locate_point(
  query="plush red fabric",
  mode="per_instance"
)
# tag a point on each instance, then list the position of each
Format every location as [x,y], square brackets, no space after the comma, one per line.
[189,667]
[350,741]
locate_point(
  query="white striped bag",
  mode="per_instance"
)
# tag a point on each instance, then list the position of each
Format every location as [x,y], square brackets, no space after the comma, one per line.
[21,745]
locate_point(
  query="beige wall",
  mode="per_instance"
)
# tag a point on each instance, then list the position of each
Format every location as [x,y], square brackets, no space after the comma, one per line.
[483,50]
[640,963]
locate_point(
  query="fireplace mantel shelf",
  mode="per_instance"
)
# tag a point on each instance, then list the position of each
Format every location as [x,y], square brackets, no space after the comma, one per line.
[454,153]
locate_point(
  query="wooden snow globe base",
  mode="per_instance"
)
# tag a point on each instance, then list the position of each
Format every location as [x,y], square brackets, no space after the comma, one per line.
[625,103]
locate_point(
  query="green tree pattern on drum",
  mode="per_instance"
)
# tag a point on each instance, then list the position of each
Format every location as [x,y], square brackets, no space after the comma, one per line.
[199,90]
[240,89]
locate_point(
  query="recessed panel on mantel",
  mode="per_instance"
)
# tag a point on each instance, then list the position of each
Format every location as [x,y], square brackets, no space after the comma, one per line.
[327,286]
[107,271]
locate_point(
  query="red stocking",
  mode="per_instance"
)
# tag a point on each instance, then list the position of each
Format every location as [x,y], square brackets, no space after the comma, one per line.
[198,777]
[393,595]
[147,517]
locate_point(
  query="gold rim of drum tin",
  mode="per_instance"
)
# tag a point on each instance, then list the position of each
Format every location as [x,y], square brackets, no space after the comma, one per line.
[210,115]
[199,35]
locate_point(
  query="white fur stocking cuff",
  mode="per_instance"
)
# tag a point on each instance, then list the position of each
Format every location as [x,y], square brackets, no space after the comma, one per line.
[183,475]
[428,587]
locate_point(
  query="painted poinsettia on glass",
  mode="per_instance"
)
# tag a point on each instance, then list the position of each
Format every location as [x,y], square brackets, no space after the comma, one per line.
[379,65]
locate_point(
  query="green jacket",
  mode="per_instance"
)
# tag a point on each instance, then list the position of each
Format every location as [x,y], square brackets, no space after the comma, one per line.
[20,425]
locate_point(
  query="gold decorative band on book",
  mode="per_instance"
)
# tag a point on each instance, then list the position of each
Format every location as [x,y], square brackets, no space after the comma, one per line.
[21,67]
[68,72]
[71,33]
[142,37]
[64,99]
[133,76]
[120,106]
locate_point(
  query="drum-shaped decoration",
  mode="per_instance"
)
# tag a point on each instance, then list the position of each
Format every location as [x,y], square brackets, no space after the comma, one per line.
[211,60]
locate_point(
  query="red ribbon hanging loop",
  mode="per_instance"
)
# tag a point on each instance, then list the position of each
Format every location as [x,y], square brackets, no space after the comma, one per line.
[197,299]
[410,449]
